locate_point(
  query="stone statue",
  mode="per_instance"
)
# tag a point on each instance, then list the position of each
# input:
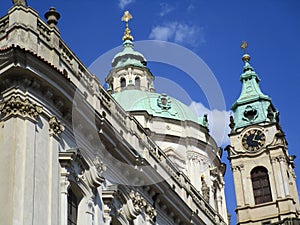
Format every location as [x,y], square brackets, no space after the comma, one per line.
[20,2]
[205,189]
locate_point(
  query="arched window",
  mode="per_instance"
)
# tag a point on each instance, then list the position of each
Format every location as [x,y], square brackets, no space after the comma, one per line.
[261,185]
[72,208]
[137,82]
[123,82]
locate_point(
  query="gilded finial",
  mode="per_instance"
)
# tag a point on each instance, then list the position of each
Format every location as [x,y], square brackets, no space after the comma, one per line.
[244,46]
[126,17]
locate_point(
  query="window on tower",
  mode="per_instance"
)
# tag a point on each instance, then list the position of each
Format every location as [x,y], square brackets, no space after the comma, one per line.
[123,82]
[261,185]
[138,82]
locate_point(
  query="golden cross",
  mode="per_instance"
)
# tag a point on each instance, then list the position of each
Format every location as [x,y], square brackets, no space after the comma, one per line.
[126,17]
[244,46]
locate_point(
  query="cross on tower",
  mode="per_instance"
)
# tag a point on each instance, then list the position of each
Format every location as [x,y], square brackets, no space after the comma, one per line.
[244,46]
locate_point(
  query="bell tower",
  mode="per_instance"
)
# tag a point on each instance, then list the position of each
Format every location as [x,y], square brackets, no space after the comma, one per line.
[263,170]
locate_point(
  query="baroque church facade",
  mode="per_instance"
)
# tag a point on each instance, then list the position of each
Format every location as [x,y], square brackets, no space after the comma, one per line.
[75,153]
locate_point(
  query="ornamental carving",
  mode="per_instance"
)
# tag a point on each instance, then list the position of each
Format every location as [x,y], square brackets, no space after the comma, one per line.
[205,189]
[138,201]
[278,140]
[100,167]
[150,212]
[55,126]
[164,102]
[19,106]
[20,2]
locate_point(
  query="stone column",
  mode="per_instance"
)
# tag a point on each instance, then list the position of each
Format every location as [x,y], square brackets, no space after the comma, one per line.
[90,210]
[239,189]
[107,197]
[246,184]
[284,177]
[277,177]
[64,186]
[65,160]
[18,150]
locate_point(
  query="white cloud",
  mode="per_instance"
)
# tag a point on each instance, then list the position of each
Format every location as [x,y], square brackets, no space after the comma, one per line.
[218,122]
[178,32]
[163,33]
[124,3]
[165,9]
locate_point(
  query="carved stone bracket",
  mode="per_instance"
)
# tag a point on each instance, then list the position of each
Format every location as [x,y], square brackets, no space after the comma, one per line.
[55,126]
[82,169]
[16,105]
[278,140]
[94,174]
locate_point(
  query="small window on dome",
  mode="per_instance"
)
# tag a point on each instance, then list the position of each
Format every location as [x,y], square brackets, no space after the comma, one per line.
[137,82]
[123,82]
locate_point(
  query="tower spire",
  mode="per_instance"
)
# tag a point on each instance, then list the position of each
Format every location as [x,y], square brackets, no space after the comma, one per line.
[126,17]
[252,105]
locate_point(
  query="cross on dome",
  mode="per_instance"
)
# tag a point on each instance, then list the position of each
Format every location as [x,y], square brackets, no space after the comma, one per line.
[126,17]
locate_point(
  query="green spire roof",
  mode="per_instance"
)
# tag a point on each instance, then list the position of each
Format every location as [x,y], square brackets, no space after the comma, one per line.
[252,106]
[250,88]
[128,56]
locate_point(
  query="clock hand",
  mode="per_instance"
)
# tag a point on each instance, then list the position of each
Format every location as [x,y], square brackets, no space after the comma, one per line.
[255,135]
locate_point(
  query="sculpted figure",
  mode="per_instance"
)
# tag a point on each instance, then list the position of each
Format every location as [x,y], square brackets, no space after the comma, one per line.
[20,2]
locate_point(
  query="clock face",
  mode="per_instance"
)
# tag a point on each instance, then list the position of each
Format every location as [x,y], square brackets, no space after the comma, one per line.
[253,140]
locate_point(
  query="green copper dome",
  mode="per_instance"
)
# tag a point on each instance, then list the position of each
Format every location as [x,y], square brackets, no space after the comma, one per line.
[157,105]
[128,56]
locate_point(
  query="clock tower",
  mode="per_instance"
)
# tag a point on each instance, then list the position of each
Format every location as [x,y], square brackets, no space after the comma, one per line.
[263,170]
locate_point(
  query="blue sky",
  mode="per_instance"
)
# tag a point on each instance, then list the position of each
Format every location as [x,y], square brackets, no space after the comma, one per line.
[214,31]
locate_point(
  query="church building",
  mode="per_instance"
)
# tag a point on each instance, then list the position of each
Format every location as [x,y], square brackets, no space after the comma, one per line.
[75,153]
